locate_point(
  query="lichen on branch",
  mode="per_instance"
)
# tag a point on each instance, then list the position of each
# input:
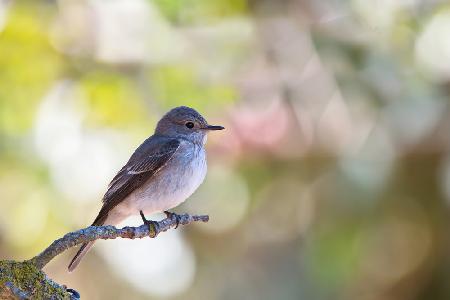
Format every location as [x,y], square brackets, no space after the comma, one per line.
[20,280]
[23,280]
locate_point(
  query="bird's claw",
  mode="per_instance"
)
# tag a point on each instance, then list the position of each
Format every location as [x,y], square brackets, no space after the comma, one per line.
[152,225]
[171,214]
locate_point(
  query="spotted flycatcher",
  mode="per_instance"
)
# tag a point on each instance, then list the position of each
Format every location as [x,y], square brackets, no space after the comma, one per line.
[163,172]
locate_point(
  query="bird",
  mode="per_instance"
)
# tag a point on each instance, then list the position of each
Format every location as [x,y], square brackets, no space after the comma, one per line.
[162,172]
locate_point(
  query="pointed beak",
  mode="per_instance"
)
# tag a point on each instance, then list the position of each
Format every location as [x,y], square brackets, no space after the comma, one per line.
[214,127]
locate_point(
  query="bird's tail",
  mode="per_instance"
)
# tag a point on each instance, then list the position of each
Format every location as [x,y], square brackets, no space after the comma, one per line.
[105,217]
[79,256]
[99,221]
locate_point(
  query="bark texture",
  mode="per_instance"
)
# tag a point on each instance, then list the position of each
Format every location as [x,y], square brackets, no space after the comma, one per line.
[26,280]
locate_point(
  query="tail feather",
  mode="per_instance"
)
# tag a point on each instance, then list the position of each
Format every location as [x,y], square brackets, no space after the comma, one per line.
[79,256]
[84,249]
[103,218]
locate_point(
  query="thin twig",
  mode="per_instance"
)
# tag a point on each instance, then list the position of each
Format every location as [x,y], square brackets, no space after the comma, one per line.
[93,233]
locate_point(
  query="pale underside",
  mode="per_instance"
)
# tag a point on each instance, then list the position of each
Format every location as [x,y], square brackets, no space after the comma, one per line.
[168,188]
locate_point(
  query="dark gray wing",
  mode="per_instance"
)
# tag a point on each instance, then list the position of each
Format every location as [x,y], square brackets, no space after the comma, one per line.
[145,162]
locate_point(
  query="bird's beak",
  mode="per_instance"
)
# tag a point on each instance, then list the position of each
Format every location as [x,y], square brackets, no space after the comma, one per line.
[214,127]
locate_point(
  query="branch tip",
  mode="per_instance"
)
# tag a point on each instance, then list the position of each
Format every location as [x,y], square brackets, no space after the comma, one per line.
[93,233]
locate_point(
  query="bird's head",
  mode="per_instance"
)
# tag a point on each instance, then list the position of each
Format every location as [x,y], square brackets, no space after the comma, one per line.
[185,122]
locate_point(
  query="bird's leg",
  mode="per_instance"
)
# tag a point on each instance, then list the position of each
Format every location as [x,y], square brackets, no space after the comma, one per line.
[171,214]
[152,225]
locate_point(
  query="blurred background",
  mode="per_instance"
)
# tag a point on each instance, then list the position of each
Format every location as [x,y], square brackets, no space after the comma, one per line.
[332,180]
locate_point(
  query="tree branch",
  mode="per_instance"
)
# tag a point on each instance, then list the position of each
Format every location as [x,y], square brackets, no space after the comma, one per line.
[26,280]
[16,292]
[93,233]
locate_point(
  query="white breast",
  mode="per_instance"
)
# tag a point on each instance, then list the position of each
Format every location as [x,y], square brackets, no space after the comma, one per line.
[178,180]
[190,180]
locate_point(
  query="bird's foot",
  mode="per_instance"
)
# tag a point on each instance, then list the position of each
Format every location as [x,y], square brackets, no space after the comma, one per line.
[171,214]
[152,225]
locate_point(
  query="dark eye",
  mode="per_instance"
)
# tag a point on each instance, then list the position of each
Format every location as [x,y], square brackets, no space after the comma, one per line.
[189,125]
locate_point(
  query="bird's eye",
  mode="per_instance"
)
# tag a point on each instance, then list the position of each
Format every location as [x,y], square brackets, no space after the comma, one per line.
[189,125]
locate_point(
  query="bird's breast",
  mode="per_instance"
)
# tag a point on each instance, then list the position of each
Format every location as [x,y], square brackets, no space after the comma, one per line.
[175,182]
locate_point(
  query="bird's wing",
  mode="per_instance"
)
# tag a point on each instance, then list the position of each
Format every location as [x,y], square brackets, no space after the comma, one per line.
[146,161]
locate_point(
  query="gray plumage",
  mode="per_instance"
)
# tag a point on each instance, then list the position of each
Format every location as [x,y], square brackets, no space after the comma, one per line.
[162,172]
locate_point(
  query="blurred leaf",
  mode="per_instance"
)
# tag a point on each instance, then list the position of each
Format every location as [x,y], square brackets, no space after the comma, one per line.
[179,85]
[334,254]
[112,100]
[194,11]
[28,66]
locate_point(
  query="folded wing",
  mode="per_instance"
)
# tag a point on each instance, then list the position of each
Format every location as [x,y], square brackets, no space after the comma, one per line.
[146,161]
